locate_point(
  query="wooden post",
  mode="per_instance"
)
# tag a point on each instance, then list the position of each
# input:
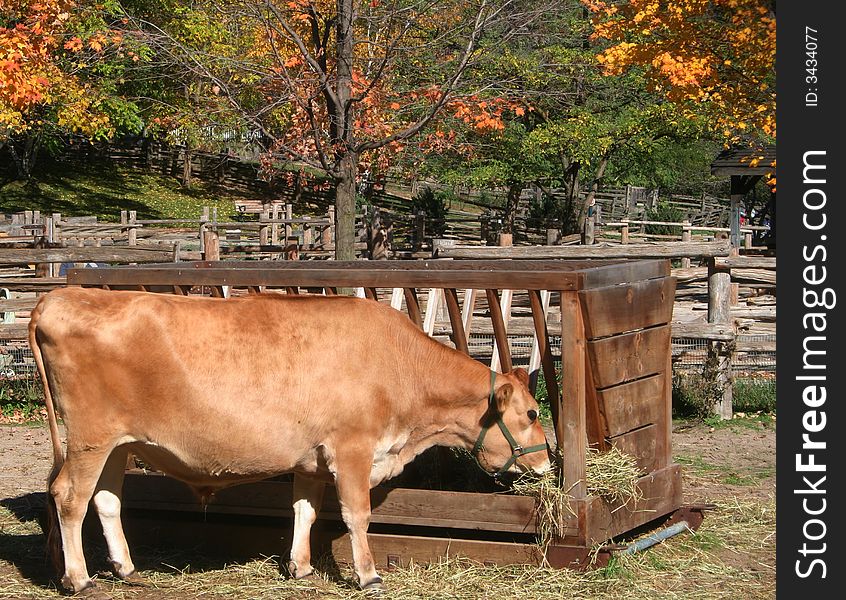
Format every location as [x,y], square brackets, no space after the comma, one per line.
[685,262]
[500,317]
[289,230]
[419,230]
[571,428]
[204,218]
[211,245]
[719,353]
[588,235]
[624,233]
[52,268]
[264,230]
[274,227]
[331,230]
[747,240]
[132,232]
[553,236]
[506,239]
[308,234]
[177,246]
[737,193]
[57,227]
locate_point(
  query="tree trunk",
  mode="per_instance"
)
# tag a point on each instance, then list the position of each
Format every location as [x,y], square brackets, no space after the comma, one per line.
[600,173]
[512,203]
[345,208]
[25,159]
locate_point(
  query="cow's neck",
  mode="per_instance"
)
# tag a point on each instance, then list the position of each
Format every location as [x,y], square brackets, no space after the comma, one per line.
[456,400]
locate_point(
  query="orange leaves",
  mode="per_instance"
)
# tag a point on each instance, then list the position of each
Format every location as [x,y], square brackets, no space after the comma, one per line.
[31,66]
[484,116]
[73,45]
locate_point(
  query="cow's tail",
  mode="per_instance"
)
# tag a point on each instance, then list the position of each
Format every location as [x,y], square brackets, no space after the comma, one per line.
[54,535]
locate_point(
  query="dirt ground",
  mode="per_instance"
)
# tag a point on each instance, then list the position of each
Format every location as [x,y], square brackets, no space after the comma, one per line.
[732,463]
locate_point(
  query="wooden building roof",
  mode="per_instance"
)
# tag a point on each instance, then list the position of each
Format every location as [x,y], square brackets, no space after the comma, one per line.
[745,161]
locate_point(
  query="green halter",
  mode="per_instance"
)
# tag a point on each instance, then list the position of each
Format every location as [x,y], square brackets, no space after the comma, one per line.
[516,449]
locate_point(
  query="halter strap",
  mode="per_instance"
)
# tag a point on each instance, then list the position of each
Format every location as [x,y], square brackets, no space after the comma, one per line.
[516,449]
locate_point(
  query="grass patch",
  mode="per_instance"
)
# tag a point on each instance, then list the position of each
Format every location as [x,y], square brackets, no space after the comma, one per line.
[21,400]
[104,188]
[754,395]
[694,395]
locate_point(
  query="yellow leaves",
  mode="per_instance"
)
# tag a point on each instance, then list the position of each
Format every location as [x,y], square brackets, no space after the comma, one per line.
[715,57]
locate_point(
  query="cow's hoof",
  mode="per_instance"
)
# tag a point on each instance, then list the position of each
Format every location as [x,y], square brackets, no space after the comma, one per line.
[374,586]
[298,573]
[92,592]
[134,579]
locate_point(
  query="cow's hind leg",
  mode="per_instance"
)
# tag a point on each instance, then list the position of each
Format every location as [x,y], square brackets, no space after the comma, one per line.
[308,496]
[71,491]
[107,503]
[353,483]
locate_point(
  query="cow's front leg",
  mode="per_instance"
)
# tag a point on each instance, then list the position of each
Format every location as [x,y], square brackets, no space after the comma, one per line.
[353,482]
[308,496]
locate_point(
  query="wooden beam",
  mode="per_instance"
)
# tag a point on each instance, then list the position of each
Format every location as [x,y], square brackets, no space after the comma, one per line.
[643,250]
[137,254]
[459,337]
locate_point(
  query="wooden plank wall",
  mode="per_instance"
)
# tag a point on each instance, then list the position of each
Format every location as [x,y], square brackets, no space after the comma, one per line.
[628,332]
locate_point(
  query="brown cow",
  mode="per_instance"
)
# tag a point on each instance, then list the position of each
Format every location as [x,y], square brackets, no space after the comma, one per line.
[216,392]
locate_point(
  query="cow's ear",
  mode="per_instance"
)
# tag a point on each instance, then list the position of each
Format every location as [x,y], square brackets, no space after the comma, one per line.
[502,397]
[522,375]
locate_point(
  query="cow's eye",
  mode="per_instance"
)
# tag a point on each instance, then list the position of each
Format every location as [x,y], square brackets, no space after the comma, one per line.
[533,414]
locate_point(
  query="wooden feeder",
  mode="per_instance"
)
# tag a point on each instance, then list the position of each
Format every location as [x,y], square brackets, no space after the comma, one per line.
[616,391]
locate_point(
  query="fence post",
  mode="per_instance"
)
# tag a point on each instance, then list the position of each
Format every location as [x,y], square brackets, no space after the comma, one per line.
[289,229]
[419,230]
[589,224]
[212,245]
[624,232]
[553,236]
[132,232]
[52,269]
[263,227]
[747,240]
[685,262]
[719,352]
[274,227]
[308,234]
[57,227]
[204,218]
[327,238]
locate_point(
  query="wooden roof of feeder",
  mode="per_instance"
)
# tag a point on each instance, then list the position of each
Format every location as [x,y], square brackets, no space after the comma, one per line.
[739,161]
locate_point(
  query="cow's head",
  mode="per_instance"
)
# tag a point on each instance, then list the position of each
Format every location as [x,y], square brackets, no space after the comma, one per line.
[511,438]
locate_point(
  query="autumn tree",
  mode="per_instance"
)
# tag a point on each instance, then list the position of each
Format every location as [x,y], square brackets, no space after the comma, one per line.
[713,58]
[59,66]
[338,86]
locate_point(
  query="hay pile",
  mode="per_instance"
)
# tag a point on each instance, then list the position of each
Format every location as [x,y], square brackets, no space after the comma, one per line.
[611,475]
